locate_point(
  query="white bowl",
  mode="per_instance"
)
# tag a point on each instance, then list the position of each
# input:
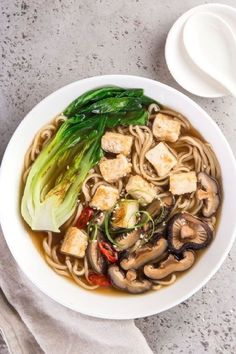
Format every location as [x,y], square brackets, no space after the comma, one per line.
[181,67]
[64,291]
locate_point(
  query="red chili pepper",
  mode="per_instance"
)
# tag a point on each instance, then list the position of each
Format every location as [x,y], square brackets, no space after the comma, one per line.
[108,251]
[99,279]
[85,216]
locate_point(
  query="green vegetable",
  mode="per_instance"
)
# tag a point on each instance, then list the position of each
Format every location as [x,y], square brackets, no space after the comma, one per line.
[131,118]
[107,232]
[117,104]
[144,222]
[93,96]
[92,231]
[131,93]
[146,219]
[161,215]
[56,177]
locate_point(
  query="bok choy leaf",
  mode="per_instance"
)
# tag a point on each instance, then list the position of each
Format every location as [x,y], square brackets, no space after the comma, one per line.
[56,177]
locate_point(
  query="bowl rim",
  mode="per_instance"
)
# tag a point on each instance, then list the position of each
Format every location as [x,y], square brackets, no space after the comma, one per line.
[169,53]
[101,313]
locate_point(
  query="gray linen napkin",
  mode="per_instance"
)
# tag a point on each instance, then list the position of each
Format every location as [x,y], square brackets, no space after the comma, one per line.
[15,338]
[58,330]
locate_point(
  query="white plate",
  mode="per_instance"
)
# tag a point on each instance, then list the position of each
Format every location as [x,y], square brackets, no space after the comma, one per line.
[182,68]
[64,291]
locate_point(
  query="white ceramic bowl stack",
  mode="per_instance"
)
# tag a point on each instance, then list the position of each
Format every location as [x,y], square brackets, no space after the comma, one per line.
[64,291]
[215,39]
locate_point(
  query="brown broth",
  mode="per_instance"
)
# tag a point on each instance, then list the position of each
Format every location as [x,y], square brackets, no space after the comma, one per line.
[37,239]
[38,236]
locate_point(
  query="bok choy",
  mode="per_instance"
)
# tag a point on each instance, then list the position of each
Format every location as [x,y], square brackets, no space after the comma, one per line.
[56,177]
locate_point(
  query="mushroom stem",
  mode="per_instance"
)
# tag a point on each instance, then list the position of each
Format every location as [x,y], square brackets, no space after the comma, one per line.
[209,192]
[145,254]
[131,275]
[128,282]
[169,266]
[201,194]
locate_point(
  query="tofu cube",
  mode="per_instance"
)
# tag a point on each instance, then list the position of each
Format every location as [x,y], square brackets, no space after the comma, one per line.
[141,190]
[166,128]
[161,158]
[114,169]
[182,183]
[117,143]
[75,242]
[104,198]
[124,215]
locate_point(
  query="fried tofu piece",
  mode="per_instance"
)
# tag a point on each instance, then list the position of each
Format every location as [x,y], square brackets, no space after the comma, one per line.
[182,183]
[161,158]
[104,198]
[114,169]
[75,242]
[117,143]
[166,128]
[141,190]
[124,215]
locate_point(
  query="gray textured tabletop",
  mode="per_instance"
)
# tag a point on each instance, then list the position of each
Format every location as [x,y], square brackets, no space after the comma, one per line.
[48,44]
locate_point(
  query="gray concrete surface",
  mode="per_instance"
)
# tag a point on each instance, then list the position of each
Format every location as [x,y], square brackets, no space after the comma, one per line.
[47,44]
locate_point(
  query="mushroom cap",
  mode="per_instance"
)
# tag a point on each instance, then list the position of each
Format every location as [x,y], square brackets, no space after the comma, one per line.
[128,239]
[128,282]
[144,255]
[95,258]
[186,231]
[209,192]
[169,266]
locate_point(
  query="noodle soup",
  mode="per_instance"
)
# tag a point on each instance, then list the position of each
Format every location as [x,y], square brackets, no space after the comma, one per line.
[125,191]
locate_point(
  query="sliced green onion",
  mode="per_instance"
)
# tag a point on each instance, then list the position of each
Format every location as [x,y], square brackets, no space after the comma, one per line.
[161,215]
[141,224]
[149,218]
[108,235]
[93,233]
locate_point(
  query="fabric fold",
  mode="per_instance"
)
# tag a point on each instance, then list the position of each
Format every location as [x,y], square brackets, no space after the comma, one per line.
[59,330]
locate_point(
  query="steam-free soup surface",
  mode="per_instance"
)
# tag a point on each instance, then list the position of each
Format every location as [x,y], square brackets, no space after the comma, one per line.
[133,188]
